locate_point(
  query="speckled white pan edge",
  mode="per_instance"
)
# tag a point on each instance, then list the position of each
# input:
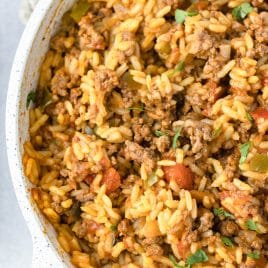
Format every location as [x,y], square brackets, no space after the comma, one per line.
[23,78]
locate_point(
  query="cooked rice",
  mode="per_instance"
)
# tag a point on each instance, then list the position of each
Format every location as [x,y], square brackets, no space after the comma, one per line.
[145,132]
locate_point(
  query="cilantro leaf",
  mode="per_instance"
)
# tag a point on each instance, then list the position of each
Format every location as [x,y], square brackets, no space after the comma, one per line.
[180,67]
[254,255]
[216,132]
[221,212]
[227,241]
[31,97]
[249,117]
[180,15]
[175,138]
[199,256]
[114,227]
[241,11]
[244,150]
[174,262]
[159,133]
[251,225]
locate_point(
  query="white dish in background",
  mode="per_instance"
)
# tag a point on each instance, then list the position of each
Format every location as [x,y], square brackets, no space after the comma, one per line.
[24,76]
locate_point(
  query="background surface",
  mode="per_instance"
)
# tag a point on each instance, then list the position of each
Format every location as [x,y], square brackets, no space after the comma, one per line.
[15,240]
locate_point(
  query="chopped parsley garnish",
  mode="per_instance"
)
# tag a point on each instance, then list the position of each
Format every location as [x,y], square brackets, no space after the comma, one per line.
[114,227]
[221,212]
[180,15]
[159,133]
[244,150]
[175,138]
[30,98]
[227,241]
[174,262]
[216,132]
[254,255]
[241,11]
[180,67]
[251,225]
[199,256]
[249,117]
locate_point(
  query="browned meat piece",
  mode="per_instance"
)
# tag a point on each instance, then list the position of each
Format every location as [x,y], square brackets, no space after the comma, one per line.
[89,38]
[206,220]
[74,95]
[232,164]
[154,250]
[84,195]
[154,240]
[200,134]
[57,207]
[204,44]
[87,227]
[141,132]
[249,239]
[261,28]
[123,227]
[213,66]
[80,170]
[138,154]
[239,203]
[105,80]
[228,228]
[59,83]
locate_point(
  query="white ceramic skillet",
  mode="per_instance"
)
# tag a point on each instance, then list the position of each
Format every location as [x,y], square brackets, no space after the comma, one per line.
[24,76]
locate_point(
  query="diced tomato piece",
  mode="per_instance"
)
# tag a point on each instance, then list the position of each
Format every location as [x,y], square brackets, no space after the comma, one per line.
[183,249]
[201,5]
[181,174]
[260,113]
[105,162]
[111,179]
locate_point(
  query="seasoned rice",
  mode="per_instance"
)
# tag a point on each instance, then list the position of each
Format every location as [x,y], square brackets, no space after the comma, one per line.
[149,134]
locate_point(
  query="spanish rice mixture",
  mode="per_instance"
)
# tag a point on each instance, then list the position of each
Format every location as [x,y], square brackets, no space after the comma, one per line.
[149,134]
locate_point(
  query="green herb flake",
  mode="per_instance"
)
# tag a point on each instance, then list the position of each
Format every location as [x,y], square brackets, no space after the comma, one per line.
[244,150]
[159,133]
[79,10]
[175,138]
[114,227]
[249,117]
[227,241]
[152,180]
[31,97]
[221,212]
[180,15]
[180,67]
[254,255]
[251,225]
[174,262]
[199,256]
[241,11]
[216,132]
